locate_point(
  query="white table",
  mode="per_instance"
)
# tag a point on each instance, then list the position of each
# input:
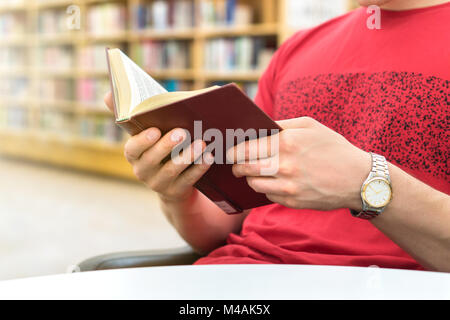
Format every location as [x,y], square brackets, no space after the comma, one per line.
[254,282]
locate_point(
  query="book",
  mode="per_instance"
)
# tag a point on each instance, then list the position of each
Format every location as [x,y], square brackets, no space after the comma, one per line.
[106,19]
[221,13]
[159,55]
[141,103]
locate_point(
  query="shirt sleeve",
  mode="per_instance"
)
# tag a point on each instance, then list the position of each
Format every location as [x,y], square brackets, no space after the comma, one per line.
[265,95]
[267,85]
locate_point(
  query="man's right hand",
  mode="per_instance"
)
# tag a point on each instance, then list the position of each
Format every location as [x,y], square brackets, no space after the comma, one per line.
[174,179]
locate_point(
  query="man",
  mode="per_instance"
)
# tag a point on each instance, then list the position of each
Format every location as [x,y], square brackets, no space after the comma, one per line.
[353,95]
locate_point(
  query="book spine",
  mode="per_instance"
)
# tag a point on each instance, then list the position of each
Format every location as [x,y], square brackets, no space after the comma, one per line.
[231,8]
[131,126]
[214,194]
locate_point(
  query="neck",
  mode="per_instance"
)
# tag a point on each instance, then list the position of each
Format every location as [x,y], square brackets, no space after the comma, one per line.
[398,5]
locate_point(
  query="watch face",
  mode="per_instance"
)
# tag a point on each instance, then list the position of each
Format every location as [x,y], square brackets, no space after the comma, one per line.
[377,193]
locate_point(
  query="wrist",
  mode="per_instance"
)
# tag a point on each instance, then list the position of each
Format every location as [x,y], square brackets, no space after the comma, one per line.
[176,206]
[362,164]
[376,190]
[176,200]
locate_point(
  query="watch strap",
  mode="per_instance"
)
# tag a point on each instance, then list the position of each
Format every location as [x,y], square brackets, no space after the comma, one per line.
[379,167]
[366,215]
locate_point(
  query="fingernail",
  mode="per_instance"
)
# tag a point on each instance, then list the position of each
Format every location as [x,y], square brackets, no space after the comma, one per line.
[198,147]
[208,158]
[230,155]
[178,136]
[152,134]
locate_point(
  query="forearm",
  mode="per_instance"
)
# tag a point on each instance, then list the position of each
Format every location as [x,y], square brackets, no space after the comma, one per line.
[200,222]
[418,220]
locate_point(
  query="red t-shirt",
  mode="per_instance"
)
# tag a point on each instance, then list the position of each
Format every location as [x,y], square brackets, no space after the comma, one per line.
[386,91]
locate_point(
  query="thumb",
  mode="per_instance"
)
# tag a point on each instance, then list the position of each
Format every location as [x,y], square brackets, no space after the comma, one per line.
[109,101]
[296,123]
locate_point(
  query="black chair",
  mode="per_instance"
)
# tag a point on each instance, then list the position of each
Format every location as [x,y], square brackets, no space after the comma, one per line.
[139,259]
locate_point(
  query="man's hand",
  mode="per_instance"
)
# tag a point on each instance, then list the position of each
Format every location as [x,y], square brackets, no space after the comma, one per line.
[173,180]
[317,168]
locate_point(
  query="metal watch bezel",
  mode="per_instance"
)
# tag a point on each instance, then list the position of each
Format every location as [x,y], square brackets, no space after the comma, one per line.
[366,185]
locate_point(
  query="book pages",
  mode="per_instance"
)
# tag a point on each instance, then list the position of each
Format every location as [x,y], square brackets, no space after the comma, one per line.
[143,86]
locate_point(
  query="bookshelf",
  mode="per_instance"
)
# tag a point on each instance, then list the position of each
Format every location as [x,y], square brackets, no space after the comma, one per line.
[52,78]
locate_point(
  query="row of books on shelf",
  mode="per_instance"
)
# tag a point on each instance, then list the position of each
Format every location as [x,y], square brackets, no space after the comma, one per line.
[94,57]
[12,23]
[238,54]
[62,124]
[225,13]
[220,55]
[92,91]
[87,127]
[161,55]
[108,18]
[14,117]
[88,91]
[12,57]
[14,87]
[56,57]
[52,21]
[183,14]
[162,15]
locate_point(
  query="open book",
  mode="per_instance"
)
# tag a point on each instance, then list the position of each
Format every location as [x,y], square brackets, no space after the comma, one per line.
[136,91]
[140,103]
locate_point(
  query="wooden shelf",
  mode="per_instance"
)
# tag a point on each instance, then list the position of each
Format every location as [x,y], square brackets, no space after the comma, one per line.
[58,38]
[22,101]
[8,7]
[56,3]
[15,72]
[172,74]
[169,34]
[15,40]
[62,105]
[90,73]
[251,30]
[122,36]
[73,152]
[231,75]
[55,73]
[98,155]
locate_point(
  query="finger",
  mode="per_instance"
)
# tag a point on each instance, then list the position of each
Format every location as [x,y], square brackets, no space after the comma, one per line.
[138,144]
[192,175]
[274,186]
[254,149]
[257,168]
[283,200]
[297,123]
[266,185]
[109,101]
[157,153]
[173,168]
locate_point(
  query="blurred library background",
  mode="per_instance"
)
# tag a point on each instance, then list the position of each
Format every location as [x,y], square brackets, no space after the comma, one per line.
[67,192]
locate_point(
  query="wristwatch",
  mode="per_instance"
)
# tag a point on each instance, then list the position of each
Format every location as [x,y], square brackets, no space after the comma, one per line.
[376,191]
